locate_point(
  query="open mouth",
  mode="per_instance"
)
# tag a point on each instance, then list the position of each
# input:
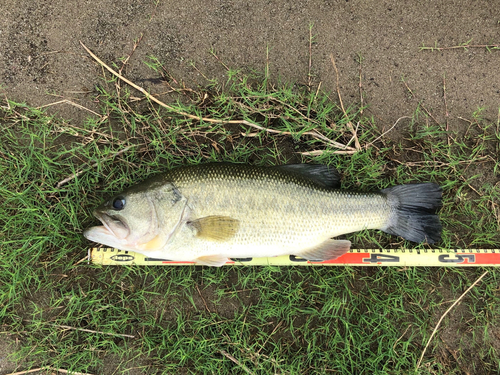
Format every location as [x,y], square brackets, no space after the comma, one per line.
[113,225]
[112,229]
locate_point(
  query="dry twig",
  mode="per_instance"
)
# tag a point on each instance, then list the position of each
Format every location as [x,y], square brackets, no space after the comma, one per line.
[67,101]
[360,88]
[134,47]
[203,299]
[78,173]
[321,152]
[446,313]
[349,123]
[309,75]
[85,330]
[28,371]
[421,104]
[387,131]
[439,164]
[312,133]
[447,114]
[400,337]
[92,331]
[268,337]
[464,46]
[206,119]
[229,356]
[50,369]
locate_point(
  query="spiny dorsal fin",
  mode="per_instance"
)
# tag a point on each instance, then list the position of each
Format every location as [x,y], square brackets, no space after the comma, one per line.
[328,250]
[215,228]
[321,174]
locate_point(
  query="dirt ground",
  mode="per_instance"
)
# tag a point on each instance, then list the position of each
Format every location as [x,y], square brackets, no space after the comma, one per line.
[42,61]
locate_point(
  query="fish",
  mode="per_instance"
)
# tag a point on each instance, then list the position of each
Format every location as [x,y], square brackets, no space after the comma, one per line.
[211,213]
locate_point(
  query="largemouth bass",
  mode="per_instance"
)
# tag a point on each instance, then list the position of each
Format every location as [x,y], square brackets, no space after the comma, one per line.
[211,212]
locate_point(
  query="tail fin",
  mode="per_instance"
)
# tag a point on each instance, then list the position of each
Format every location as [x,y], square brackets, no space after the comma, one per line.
[413,210]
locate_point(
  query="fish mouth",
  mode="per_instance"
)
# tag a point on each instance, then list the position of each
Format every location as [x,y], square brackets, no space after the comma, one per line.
[111,227]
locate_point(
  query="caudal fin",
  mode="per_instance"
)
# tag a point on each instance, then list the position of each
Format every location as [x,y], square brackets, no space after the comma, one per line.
[413,212]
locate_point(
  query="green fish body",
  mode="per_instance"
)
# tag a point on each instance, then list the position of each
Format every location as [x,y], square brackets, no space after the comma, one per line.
[211,212]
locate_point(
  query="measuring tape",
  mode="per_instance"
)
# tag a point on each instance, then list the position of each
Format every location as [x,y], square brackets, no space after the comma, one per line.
[355,257]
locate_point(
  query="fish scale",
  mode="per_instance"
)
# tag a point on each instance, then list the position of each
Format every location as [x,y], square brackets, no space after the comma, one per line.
[279,210]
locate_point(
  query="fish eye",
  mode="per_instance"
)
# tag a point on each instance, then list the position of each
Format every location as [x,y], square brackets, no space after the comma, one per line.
[119,203]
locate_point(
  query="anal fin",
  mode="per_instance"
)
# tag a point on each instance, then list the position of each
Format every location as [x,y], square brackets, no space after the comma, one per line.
[212,260]
[328,250]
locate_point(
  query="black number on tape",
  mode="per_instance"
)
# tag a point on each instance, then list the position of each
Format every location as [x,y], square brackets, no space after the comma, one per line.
[381,258]
[460,258]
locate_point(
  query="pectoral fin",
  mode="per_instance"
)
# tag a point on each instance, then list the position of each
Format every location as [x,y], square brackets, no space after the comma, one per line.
[154,244]
[212,260]
[328,250]
[215,228]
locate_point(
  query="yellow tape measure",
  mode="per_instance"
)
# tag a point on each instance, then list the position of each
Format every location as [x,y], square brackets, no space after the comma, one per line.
[355,257]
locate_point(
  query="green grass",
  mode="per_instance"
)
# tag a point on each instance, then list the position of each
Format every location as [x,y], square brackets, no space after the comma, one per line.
[272,320]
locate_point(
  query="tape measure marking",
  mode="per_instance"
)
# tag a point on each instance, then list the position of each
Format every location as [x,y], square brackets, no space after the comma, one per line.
[355,257]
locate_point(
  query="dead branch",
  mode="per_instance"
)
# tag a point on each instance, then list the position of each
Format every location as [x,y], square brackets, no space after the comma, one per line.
[446,313]
[211,120]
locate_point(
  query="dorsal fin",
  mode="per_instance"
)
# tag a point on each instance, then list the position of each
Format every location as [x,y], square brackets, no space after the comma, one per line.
[321,174]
